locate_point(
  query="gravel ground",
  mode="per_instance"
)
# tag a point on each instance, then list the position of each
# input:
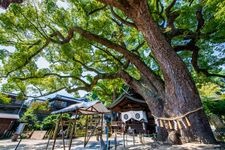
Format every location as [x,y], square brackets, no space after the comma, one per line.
[147,144]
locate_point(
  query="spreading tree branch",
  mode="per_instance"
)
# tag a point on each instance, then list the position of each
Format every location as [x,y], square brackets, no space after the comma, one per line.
[113,3]
[101,76]
[85,66]
[41,94]
[138,47]
[171,16]
[122,20]
[97,9]
[29,58]
[31,22]
[192,44]
[170,6]
[110,54]
[200,20]
[127,54]
[49,75]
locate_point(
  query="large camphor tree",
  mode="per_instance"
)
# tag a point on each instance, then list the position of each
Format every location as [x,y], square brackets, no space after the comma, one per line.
[148,44]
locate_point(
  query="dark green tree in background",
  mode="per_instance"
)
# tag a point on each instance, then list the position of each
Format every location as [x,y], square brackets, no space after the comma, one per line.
[31,116]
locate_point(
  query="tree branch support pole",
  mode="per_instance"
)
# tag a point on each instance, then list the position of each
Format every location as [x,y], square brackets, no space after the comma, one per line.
[72,131]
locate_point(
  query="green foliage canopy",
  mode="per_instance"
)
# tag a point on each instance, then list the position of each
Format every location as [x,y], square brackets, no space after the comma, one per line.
[55,36]
[4,98]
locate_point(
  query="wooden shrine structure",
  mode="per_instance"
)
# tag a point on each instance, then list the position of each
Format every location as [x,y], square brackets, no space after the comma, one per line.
[131,114]
[84,108]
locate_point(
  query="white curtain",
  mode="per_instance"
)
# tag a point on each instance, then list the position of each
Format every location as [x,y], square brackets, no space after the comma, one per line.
[137,115]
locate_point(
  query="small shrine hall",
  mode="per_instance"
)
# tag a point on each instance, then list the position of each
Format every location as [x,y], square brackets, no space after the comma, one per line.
[131,114]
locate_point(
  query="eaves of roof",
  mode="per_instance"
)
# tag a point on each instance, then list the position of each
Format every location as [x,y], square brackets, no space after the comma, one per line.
[125,95]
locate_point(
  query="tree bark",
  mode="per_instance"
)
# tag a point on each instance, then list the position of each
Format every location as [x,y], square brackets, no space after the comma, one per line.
[181,95]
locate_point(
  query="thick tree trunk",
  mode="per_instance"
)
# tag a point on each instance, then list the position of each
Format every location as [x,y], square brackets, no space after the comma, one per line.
[199,129]
[181,95]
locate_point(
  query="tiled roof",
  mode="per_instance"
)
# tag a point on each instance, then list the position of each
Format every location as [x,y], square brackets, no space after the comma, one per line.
[92,107]
[129,97]
[72,99]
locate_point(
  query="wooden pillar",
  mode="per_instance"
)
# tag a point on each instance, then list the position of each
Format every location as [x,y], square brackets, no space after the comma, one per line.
[72,131]
[101,126]
[56,131]
[115,140]
[101,139]
[68,130]
[124,139]
[75,130]
[133,138]
[107,137]
[49,136]
[140,138]
[86,130]
[62,134]
[143,138]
